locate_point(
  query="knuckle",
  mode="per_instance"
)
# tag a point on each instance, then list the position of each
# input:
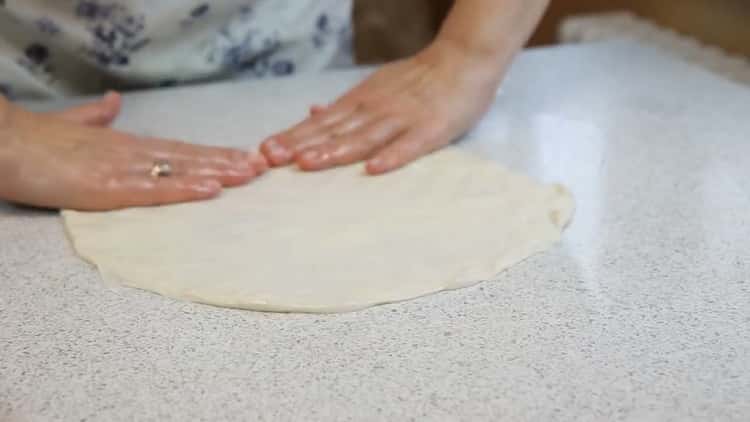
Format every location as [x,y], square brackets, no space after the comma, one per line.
[435,128]
[96,185]
[343,150]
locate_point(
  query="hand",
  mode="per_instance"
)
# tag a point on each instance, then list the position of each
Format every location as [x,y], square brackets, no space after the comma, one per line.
[403,111]
[72,160]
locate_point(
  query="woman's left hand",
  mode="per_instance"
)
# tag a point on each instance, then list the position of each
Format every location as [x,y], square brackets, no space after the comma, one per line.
[403,111]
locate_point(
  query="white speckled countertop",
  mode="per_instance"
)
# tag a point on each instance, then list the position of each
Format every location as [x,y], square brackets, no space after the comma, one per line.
[641,313]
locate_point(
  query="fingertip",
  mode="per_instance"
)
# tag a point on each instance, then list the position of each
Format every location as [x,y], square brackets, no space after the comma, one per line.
[317,109]
[276,153]
[259,162]
[111,96]
[246,166]
[378,165]
[240,174]
[311,160]
[207,188]
[110,106]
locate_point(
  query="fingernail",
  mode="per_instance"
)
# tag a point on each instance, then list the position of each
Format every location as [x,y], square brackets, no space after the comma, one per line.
[109,95]
[317,108]
[208,186]
[376,162]
[376,165]
[277,150]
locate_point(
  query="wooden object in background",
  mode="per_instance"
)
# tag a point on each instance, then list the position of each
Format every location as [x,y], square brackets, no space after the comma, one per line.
[387,30]
[723,23]
[391,29]
[595,27]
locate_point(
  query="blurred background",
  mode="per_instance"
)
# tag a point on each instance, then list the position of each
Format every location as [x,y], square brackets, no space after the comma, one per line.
[714,34]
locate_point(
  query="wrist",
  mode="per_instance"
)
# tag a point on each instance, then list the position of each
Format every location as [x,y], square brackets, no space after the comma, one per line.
[473,50]
[476,64]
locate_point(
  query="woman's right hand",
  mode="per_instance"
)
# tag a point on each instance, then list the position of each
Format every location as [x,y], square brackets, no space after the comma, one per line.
[71,159]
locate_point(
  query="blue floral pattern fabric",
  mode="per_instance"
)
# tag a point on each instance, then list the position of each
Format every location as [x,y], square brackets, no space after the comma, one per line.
[52,48]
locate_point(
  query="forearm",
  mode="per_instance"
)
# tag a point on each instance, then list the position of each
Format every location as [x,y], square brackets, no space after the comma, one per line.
[492,29]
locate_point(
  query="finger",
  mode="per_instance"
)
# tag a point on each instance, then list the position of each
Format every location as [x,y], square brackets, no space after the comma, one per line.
[328,133]
[207,154]
[352,123]
[149,191]
[98,113]
[352,147]
[235,173]
[230,166]
[220,158]
[408,147]
[280,148]
[317,109]
[227,176]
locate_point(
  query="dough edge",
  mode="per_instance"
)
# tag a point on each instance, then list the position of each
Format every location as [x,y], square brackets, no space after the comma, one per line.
[564,202]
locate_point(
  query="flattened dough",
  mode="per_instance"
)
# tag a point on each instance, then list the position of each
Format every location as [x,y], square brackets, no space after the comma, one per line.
[331,241]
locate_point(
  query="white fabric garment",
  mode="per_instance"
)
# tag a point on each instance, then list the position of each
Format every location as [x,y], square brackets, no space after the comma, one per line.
[331,241]
[52,48]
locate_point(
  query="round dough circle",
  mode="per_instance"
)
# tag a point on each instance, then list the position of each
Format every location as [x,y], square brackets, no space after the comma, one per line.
[331,241]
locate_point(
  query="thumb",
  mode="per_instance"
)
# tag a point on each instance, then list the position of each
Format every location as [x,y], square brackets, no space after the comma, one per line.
[97,113]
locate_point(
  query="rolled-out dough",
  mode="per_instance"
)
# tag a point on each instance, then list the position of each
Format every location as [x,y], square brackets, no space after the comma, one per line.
[331,241]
